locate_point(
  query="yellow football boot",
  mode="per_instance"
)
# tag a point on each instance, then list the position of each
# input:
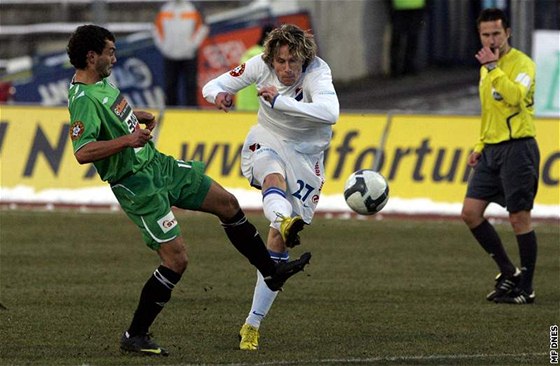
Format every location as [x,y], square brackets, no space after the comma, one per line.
[289,229]
[249,338]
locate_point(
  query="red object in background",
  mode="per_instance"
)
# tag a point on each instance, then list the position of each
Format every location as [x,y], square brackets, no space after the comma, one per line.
[6,92]
[222,52]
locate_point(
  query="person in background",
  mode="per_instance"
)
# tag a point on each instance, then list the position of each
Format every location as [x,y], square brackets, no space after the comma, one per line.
[500,4]
[107,132]
[247,98]
[506,158]
[178,32]
[283,153]
[407,19]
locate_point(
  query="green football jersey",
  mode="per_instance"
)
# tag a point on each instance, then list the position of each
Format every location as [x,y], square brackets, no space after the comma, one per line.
[99,112]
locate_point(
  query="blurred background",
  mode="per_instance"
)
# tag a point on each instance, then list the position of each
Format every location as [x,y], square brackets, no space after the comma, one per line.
[354,37]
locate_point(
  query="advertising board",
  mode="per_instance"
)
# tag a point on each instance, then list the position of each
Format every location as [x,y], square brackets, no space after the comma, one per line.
[422,156]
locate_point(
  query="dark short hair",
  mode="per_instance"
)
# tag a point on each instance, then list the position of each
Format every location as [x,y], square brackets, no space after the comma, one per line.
[84,39]
[491,14]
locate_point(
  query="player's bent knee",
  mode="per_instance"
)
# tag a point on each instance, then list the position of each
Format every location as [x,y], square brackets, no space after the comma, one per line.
[177,263]
[229,206]
[220,202]
[274,180]
[174,255]
[520,222]
[470,217]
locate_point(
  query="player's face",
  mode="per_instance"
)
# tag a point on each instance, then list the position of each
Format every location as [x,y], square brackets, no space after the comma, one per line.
[105,61]
[287,67]
[493,35]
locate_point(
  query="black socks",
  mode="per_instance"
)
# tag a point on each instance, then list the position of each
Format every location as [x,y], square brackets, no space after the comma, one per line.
[244,236]
[155,294]
[527,244]
[488,238]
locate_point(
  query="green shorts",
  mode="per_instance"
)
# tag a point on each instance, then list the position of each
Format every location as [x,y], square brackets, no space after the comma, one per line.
[148,195]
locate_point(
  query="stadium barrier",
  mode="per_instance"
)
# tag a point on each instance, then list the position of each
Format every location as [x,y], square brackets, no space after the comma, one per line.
[422,156]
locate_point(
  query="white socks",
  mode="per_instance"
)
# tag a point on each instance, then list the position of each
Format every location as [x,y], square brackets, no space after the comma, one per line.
[275,204]
[263,297]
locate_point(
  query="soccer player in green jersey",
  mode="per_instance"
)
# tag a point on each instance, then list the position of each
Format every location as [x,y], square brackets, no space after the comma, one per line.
[106,131]
[506,158]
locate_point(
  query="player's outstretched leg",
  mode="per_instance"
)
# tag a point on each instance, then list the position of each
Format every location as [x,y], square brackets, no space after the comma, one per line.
[246,239]
[285,270]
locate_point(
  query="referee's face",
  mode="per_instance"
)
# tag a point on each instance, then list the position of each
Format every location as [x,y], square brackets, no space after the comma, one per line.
[494,35]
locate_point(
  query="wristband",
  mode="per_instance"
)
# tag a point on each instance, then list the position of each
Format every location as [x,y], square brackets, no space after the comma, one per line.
[491,66]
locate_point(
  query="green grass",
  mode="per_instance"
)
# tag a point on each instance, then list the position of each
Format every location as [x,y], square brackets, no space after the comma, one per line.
[377,292]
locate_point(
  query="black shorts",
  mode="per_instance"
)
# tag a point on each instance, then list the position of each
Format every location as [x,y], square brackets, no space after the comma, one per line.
[507,174]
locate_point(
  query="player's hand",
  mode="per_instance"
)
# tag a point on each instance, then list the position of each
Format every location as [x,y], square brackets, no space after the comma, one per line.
[269,93]
[487,56]
[146,118]
[224,101]
[473,158]
[139,137]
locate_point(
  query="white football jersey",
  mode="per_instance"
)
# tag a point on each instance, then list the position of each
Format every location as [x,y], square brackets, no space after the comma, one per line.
[303,114]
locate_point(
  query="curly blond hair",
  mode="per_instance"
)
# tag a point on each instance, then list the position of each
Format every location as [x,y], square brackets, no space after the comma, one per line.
[301,44]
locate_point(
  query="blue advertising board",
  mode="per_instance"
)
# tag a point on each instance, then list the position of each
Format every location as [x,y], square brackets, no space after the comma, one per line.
[138,74]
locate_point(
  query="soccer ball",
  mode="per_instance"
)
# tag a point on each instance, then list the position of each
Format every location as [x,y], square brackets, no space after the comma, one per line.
[366,191]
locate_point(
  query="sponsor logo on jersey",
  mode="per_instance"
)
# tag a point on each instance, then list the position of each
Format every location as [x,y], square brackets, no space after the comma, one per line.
[238,71]
[76,130]
[132,123]
[167,222]
[317,169]
[123,111]
[121,108]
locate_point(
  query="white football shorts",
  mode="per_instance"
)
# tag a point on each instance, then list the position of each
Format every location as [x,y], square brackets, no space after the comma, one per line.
[265,153]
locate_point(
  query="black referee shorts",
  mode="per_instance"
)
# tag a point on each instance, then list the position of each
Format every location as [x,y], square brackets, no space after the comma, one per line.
[507,174]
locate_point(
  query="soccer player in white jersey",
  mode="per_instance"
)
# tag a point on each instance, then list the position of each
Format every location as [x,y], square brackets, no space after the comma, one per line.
[283,153]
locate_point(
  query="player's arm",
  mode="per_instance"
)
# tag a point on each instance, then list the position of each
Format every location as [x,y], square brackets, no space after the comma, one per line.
[220,90]
[97,150]
[324,106]
[147,119]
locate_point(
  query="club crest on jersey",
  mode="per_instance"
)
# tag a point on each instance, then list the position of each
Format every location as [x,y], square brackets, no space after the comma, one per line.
[76,130]
[238,71]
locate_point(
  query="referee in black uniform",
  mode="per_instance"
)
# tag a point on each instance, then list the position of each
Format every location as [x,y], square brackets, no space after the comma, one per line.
[506,158]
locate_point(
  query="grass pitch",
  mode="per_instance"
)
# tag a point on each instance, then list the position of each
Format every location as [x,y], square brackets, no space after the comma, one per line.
[377,292]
